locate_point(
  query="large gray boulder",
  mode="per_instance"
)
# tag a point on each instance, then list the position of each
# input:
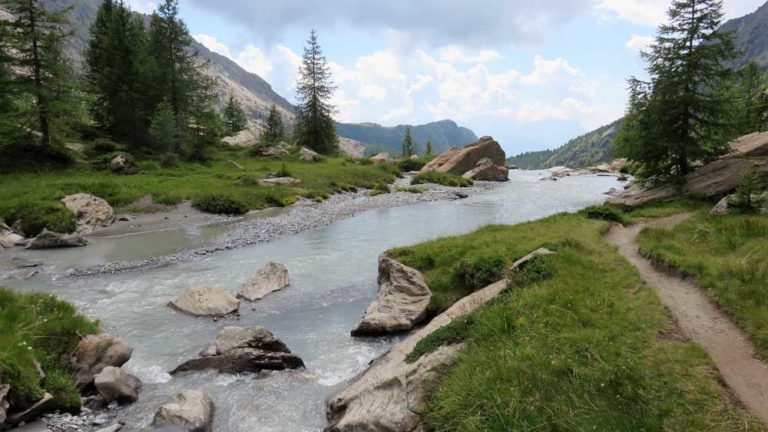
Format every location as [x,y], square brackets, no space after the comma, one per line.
[123,164]
[96,352]
[193,411]
[307,155]
[268,279]
[752,145]
[459,161]
[400,304]
[52,240]
[282,149]
[206,301]
[383,159]
[91,211]
[114,384]
[242,350]
[487,171]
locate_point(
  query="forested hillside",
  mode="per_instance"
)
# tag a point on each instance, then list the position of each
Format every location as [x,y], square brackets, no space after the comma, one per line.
[443,135]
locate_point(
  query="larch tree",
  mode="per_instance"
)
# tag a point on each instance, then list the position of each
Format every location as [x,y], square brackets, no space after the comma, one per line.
[315,127]
[235,119]
[41,74]
[430,148]
[274,130]
[678,116]
[408,147]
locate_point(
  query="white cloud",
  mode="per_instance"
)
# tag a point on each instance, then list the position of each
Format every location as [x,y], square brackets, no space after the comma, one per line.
[453,54]
[639,43]
[213,44]
[142,6]
[253,59]
[654,12]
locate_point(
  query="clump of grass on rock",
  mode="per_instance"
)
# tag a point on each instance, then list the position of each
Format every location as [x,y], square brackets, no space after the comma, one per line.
[441,178]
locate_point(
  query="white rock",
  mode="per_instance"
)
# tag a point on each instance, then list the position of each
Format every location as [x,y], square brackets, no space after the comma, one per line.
[268,279]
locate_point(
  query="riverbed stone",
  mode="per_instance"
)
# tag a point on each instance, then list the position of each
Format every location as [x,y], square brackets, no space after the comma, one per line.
[243,350]
[206,301]
[53,240]
[268,279]
[96,352]
[400,304]
[10,239]
[115,384]
[36,410]
[91,211]
[193,411]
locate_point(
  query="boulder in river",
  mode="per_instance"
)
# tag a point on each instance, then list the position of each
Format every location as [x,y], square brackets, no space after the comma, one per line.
[96,352]
[268,279]
[459,161]
[241,350]
[193,411]
[206,301]
[91,211]
[487,171]
[114,384]
[401,303]
[52,240]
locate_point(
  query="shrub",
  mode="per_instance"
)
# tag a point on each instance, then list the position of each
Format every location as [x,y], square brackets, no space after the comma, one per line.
[479,273]
[104,145]
[220,204]
[606,213]
[66,396]
[408,165]
[170,160]
[380,189]
[35,217]
[440,178]
[748,198]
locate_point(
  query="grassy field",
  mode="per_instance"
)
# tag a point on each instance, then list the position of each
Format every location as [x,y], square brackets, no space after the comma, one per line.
[35,195]
[727,255]
[584,345]
[39,328]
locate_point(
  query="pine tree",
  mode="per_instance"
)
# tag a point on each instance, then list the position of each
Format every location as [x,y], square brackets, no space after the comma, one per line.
[430,148]
[36,37]
[315,127]
[408,148]
[204,125]
[274,131]
[163,128]
[678,117]
[113,72]
[234,116]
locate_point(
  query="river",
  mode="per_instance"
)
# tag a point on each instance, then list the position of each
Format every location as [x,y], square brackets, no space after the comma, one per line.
[333,279]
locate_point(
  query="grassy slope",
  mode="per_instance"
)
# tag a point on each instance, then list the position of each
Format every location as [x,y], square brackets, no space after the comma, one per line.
[727,255]
[39,328]
[188,181]
[580,351]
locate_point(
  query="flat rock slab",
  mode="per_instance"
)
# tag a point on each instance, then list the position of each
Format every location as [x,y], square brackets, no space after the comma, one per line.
[401,303]
[243,350]
[268,279]
[206,301]
[752,145]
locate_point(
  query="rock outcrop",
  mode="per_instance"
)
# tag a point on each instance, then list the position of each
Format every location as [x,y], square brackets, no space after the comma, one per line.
[206,301]
[400,304]
[91,211]
[193,411]
[383,159]
[242,350]
[714,180]
[114,384]
[487,171]
[307,155]
[352,148]
[52,240]
[244,138]
[279,181]
[461,161]
[123,164]
[753,145]
[268,279]
[282,149]
[96,352]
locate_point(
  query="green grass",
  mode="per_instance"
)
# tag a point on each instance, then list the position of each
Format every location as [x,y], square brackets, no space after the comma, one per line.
[41,191]
[410,190]
[663,209]
[574,347]
[728,255]
[39,328]
[441,178]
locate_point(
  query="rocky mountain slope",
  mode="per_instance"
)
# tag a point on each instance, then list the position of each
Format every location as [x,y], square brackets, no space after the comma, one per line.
[591,148]
[751,32]
[443,134]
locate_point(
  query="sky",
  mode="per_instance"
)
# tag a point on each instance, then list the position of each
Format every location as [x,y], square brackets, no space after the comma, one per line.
[532,74]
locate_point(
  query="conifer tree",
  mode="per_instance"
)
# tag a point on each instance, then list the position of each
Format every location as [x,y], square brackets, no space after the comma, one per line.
[273,131]
[35,41]
[430,148]
[750,96]
[113,72]
[235,119]
[677,117]
[408,148]
[315,127]
[163,127]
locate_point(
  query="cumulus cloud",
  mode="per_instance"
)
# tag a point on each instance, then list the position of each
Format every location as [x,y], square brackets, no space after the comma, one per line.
[639,43]
[487,23]
[654,12]
[251,58]
[143,6]
[213,44]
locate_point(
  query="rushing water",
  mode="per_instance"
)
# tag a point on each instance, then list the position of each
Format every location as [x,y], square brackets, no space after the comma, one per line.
[333,279]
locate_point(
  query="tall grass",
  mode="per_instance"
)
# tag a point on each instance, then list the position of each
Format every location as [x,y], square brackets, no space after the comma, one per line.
[727,255]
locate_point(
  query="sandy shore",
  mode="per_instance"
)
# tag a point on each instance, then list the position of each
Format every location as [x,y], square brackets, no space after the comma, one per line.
[262,226]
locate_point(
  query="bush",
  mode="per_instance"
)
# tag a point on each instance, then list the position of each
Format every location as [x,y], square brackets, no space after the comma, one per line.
[440,178]
[104,145]
[66,396]
[380,189]
[35,217]
[748,198]
[220,204]
[170,160]
[408,165]
[479,273]
[606,213]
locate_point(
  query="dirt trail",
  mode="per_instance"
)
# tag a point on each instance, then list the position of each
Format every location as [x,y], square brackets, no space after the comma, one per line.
[701,320]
